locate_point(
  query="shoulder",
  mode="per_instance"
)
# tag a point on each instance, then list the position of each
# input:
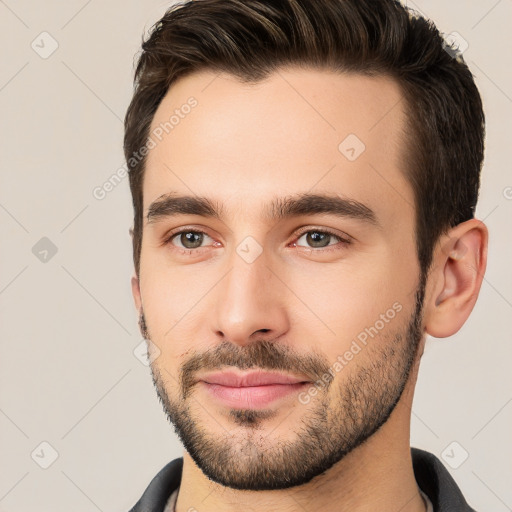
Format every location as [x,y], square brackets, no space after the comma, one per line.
[436,482]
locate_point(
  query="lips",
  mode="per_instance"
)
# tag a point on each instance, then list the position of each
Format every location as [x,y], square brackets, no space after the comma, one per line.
[255,378]
[253,390]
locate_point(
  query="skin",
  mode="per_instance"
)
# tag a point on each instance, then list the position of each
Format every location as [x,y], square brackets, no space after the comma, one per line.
[348,447]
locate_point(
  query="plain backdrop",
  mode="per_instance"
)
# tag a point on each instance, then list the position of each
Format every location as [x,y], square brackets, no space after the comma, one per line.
[74,394]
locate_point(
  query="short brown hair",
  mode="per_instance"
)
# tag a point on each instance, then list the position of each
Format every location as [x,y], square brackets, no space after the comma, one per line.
[252,38]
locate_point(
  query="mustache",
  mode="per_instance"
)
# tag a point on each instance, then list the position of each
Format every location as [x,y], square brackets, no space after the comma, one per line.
[263,355]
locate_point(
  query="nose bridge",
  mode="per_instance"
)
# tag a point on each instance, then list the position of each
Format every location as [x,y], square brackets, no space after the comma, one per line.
[246,283]
[249,298]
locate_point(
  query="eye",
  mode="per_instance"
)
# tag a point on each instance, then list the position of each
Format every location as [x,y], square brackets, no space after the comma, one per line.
[320,238]
[189,241]
[188,238]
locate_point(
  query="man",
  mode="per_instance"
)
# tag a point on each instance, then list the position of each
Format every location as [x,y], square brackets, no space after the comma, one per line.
[304,176]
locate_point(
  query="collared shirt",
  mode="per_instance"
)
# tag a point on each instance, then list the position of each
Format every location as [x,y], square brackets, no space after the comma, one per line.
[171,502]
[435,483]
[426,499]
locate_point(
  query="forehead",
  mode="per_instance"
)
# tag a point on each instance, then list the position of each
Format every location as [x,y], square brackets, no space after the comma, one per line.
[299,130]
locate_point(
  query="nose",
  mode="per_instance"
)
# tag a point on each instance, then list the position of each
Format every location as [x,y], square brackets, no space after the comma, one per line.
[250,302]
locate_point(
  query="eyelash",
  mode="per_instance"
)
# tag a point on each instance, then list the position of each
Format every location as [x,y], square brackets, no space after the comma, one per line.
[343,241]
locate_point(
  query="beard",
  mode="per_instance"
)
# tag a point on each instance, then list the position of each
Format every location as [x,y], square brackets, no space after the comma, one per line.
[332,425]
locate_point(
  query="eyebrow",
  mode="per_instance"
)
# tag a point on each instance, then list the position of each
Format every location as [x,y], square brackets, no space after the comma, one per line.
[172,204]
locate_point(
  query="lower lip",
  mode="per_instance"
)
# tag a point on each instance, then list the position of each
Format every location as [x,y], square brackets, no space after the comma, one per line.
[252,397]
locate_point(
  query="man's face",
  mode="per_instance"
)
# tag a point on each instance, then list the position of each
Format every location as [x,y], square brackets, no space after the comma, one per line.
[254,290]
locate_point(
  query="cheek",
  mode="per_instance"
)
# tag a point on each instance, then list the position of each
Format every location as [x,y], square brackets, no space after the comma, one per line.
[348,301]
[165,300]
[176,308]
[167,283]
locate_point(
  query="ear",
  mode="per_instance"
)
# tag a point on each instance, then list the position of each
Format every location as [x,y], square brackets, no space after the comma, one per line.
[459,263]
[135,284]
[136,292]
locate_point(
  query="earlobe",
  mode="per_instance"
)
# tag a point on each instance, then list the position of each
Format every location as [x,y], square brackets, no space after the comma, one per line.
[460,263]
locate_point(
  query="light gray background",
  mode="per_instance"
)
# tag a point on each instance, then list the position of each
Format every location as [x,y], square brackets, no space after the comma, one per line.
[69,376]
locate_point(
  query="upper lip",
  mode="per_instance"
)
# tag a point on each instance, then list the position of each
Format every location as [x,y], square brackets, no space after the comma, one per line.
[254,378]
